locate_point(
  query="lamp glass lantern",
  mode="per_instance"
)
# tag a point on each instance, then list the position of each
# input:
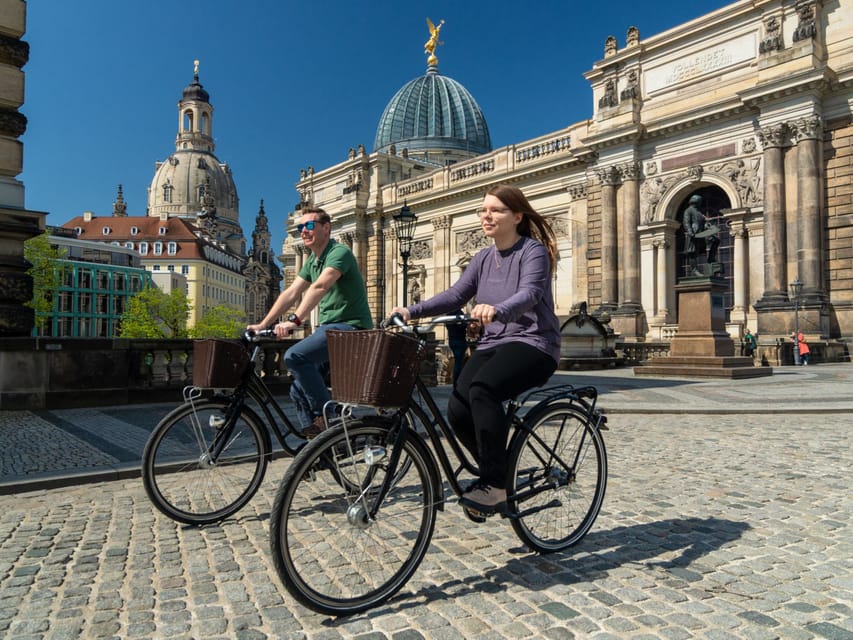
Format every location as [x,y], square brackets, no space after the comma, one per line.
[404,228]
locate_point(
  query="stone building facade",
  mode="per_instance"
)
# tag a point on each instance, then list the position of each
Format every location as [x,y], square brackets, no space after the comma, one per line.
[749,107]
[17,224]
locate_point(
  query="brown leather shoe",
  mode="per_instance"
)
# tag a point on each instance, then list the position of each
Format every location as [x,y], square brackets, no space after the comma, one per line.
[484,498]
[317,426]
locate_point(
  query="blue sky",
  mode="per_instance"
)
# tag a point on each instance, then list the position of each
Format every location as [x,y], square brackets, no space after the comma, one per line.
[292,83]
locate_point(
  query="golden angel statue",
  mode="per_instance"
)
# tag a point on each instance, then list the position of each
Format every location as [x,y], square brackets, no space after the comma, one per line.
[432,43]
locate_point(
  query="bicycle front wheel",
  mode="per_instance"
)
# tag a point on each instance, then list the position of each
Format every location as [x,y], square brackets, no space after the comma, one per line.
[558,475]
[198,469]
[338,545]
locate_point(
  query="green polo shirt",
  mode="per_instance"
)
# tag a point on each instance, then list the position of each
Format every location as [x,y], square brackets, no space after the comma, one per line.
[346,301]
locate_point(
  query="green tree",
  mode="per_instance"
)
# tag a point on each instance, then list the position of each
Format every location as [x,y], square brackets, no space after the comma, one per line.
[47,272]
[151,313]
[221,321]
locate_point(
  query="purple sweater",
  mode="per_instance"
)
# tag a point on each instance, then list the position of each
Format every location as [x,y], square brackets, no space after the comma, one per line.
[517,282]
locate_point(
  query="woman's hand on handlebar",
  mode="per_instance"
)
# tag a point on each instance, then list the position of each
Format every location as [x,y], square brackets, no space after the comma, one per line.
[483,313]
[402,312]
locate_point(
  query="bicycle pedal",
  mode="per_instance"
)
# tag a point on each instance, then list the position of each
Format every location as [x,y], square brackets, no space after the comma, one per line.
[475,516]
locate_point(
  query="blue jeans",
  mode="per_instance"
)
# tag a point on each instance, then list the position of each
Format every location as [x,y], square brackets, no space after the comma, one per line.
[306,361]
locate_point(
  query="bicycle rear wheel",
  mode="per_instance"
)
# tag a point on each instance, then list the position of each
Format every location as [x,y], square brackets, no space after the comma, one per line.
[330,554]
[557,477]
[197,469]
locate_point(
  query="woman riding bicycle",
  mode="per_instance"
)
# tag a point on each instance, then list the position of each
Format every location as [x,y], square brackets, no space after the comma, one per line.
[520,346]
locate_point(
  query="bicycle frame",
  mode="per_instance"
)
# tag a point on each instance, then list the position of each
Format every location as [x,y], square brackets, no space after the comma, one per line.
[582,399]
[253,388]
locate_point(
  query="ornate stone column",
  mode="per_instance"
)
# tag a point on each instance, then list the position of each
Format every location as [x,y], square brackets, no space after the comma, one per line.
[359,249]
[662,272]
[775,247]
[740,266]
[441,254]
[807,132]
[16,224]
[609,248]
[374,277]
[630,301]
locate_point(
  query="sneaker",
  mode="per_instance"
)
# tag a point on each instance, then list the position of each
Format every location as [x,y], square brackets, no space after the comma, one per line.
[484,498]
[317,426]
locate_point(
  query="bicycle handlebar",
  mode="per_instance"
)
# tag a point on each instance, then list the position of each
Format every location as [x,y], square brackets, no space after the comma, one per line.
[397,320]
[257,336]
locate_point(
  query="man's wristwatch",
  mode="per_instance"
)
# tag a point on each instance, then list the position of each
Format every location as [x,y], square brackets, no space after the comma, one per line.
[294,319]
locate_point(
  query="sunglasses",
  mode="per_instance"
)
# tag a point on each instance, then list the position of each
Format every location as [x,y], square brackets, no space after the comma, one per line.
[307,225]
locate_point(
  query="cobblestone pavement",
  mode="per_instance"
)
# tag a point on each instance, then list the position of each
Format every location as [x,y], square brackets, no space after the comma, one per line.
[716,524]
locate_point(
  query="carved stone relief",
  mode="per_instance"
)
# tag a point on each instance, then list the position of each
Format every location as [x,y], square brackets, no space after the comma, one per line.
[806,28]
[774,135]
[421,249]
[559,225]
[471,241]
[806,128]
[772,40]
[651,192]
[745,176]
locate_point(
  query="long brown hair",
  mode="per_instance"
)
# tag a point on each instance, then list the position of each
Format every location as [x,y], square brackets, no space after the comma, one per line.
[532,223]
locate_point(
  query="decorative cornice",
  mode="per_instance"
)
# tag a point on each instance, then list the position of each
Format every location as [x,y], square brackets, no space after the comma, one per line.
[12,123]
[13,51]
[441,222]
[577,191]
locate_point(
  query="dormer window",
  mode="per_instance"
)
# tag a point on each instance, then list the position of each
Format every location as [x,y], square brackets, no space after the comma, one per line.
[78,230]
[158,248]
[172,248]
[129,245]
[162,231]
[106,231]
[134,231]
[143,248]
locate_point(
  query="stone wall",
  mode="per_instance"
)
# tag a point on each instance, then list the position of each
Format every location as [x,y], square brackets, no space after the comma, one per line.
[838,155]
[45,373]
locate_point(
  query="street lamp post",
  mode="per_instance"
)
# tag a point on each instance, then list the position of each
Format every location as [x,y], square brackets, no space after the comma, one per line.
[404,228]
[796,290]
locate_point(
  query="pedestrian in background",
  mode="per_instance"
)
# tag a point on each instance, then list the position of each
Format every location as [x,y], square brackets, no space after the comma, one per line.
[803,347]
[749,343]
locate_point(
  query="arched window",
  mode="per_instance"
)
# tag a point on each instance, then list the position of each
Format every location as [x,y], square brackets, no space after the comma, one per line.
[188,120]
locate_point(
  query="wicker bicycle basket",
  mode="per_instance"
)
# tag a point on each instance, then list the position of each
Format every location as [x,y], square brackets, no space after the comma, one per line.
[376,368]
[218,364]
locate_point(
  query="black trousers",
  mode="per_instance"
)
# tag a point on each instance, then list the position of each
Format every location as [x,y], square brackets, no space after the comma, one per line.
[475,410]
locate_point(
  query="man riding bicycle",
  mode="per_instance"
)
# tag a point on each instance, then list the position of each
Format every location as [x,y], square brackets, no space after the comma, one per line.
[331,279]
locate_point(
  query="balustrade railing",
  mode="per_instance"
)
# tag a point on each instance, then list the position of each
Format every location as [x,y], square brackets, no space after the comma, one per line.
[39,373]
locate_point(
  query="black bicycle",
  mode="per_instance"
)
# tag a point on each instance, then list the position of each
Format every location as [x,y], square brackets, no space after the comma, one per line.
[355,512]
[207,458]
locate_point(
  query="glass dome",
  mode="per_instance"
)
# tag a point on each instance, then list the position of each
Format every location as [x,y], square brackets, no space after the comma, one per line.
[433,113]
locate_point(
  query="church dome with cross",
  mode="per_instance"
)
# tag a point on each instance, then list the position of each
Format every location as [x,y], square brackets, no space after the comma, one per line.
[192,180]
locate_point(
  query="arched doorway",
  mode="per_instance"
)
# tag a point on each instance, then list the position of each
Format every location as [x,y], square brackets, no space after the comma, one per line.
[714,200]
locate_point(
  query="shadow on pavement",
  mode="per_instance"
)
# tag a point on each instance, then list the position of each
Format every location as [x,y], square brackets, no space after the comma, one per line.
[597,554]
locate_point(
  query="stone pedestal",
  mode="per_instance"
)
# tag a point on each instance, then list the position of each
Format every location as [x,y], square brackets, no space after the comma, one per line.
[16,285]
[702,348]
